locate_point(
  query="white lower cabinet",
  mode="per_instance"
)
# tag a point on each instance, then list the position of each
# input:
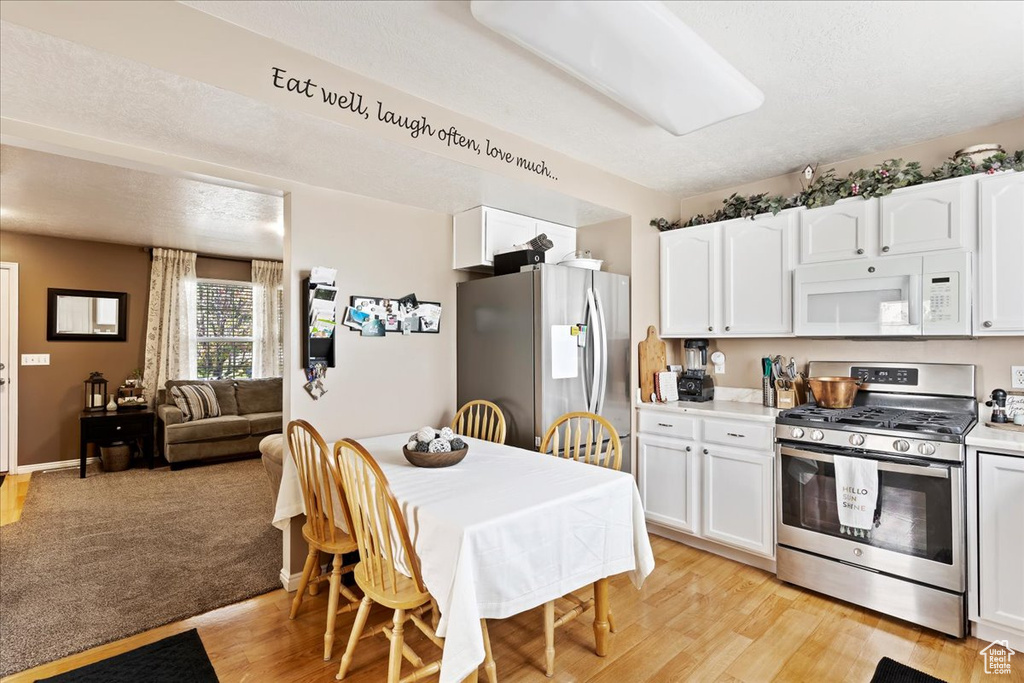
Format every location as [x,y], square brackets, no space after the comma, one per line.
[738,493]
[1000,549]
[669,481]
[723,494]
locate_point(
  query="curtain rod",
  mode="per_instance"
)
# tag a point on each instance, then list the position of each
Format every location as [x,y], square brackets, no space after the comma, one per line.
[215,256]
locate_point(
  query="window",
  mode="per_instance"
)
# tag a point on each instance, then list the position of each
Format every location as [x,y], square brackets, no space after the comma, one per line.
[224,347]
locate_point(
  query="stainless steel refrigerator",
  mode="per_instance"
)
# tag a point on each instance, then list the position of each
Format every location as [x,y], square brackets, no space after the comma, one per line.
[517,348]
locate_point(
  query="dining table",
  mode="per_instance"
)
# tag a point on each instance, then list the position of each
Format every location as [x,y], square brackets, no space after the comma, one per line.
[504,531]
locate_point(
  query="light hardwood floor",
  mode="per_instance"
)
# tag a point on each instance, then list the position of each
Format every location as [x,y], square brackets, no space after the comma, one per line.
[699,617]
[12,497]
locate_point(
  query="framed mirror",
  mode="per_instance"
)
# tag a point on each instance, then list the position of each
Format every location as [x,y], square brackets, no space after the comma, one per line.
[86,315]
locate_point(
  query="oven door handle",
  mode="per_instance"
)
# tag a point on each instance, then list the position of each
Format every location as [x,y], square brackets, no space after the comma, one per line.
[914,467]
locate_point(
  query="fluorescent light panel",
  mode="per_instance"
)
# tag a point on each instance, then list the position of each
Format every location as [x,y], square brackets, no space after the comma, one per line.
[636,52]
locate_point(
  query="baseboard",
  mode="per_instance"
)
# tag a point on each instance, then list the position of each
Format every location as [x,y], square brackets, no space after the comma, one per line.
[55,465]
[710,546]
[290,581]
[990,634]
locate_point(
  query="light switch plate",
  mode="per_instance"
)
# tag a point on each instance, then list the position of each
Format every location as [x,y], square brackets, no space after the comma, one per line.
[1017,376]
[35,359]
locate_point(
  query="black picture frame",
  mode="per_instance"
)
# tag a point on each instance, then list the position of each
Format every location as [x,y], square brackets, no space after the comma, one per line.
[52,295]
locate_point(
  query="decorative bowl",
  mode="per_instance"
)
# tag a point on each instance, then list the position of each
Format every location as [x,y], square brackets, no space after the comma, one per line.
[435,459]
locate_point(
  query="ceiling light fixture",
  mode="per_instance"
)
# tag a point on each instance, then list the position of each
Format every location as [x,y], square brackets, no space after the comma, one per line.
[638,53]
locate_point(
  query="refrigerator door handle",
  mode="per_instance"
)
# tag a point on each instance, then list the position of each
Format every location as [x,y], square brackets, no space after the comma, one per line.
[598,356]
[602,368]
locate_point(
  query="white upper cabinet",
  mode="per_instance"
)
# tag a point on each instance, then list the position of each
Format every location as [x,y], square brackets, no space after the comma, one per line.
[689,281]
[757,259]
[1000,299]
[929,217]
[840,232]
[480,232]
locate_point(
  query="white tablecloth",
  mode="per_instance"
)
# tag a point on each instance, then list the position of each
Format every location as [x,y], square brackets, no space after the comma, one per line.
[504,531]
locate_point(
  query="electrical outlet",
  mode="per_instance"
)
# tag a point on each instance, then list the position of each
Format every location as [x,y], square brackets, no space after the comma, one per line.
[1017,376]
[35,359]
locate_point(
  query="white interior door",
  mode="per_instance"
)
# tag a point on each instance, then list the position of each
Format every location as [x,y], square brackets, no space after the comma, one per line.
[8,366]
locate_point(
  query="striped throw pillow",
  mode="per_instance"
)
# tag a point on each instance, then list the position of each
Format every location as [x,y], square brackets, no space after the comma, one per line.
[195,401]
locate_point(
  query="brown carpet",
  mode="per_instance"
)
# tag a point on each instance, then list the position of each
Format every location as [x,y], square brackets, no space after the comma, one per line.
[97,559]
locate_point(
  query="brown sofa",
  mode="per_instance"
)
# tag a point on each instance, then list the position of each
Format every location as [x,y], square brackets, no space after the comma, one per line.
[250,410]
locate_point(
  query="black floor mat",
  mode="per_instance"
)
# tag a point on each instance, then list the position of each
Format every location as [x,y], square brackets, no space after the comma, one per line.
[180,658]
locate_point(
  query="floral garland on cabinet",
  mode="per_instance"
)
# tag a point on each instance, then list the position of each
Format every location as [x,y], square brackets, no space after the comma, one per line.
[827,189]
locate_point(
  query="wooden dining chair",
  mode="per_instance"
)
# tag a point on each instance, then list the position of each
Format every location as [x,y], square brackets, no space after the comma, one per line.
[578,436]
[324,500]
[383,539]
[480,420]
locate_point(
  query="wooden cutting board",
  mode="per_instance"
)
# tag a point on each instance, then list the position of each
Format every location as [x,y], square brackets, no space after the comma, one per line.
[651,352]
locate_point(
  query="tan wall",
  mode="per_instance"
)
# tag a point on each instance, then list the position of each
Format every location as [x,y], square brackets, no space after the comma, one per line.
[610,242]
[380,385]
[992,356]
[223,269]
[50,397]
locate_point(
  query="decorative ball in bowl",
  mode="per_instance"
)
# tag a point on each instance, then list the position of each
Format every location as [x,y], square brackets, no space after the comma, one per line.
[430,447]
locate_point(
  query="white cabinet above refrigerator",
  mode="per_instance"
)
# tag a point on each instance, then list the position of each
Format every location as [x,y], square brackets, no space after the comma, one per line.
[481,232]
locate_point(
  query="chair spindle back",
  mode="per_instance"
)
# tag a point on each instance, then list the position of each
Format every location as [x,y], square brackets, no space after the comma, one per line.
[580,436]
[480,420]
[379,525]
[322,493]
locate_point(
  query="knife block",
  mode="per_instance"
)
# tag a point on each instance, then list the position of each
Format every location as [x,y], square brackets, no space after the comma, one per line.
[790,398]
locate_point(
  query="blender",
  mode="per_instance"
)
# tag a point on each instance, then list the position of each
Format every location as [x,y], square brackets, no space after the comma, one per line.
[695,384]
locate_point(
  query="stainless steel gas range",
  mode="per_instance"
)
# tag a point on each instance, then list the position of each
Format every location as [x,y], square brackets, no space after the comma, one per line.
[912,420]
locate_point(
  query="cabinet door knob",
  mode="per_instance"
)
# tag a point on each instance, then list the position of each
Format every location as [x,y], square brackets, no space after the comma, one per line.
[871,269]
[860,251]
[711,329]
[727,328]
[688,449]
[885,249]
[987,323]
[705,451]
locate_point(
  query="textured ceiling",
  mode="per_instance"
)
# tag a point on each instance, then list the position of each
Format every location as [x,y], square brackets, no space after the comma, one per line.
[841,79]
[64,85]
[47,194]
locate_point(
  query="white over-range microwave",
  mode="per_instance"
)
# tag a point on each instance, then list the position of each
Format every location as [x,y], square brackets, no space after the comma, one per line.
[927,295]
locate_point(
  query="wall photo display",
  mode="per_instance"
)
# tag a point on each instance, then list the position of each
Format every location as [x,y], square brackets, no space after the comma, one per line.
[376,316]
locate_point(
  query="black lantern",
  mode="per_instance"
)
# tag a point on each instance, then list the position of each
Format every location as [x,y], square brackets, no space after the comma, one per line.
[96,392]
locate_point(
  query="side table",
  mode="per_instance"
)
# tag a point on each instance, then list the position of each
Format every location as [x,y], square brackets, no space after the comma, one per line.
[122,425]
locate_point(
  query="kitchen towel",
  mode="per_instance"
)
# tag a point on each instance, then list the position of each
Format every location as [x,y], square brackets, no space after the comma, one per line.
[856,494]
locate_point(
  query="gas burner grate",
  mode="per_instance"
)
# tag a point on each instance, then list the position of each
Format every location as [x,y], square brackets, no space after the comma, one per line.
[942,423]
[885,417]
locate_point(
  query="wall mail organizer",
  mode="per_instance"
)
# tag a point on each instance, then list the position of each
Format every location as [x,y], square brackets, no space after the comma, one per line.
[319,312]
[376,316]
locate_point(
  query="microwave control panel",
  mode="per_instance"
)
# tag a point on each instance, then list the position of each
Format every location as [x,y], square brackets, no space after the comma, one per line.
[942,297]
[903,376]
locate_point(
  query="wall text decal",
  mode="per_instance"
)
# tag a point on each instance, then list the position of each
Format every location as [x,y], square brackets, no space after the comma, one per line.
[353,103]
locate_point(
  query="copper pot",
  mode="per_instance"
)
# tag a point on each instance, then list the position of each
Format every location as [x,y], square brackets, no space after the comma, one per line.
[834,392]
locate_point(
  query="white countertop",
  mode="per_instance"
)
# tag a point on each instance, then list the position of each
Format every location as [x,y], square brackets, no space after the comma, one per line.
[738,409]
[1005,440]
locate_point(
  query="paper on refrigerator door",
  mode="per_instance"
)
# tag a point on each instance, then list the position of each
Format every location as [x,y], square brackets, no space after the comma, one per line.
[564,353]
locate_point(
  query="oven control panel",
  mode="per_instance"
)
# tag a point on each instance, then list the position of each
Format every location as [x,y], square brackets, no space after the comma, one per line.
[903,376]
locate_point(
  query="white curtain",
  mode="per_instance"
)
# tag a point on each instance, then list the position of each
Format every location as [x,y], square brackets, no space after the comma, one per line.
[171,325]
[267,300]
